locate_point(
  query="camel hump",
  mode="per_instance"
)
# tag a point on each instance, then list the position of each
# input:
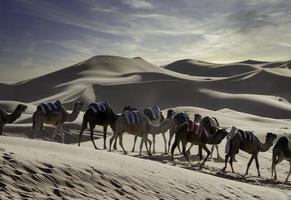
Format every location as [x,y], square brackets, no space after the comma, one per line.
[282,143]
[48,107]
[133,117]
[101,106]
[153,113]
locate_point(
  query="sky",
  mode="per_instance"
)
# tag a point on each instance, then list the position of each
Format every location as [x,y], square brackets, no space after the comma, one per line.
[40,36]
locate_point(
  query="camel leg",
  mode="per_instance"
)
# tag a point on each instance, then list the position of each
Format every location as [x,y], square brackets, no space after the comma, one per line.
[174,147]
[121,143]
[225,162]
[1,129]
[189,149]
[154,143]
[258,165]
[150,146]
[91,136]
[143,139]
[114,145]
[208,154]
[212,149]
[231,163]
[54,134]
[200,152]
[184,144]
[114,136]
[249,163]
[104,136]
[171,134]
[134,142]
[217,151]
[165,142]
[286,180]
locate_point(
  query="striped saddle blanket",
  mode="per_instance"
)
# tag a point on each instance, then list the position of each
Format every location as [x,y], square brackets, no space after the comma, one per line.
[246,135]
[156,112]
[195,128]
[133,117]
[101,106]
[47,107]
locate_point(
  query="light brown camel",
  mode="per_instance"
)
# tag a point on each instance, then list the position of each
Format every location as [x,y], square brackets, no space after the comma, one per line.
[281,151]
[249,143]
[138,129]
[201,136]
[56,118]
[163,127]
[6,118]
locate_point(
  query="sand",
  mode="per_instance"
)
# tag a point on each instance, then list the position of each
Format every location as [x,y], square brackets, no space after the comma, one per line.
[251,95]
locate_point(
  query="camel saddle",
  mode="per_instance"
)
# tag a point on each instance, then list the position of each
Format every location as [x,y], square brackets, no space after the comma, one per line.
[101,106]
[133,117]
[194,128]
[48,107]
[156,112]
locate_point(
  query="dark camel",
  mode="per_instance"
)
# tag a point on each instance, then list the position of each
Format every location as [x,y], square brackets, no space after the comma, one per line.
[249,143]
[104,119]
[281,151]
[204,135]
[6,118]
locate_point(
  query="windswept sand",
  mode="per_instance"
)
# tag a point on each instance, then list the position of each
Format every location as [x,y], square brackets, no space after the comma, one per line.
[251,95]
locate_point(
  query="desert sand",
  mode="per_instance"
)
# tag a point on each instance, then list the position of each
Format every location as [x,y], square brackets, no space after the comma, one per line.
[251,95]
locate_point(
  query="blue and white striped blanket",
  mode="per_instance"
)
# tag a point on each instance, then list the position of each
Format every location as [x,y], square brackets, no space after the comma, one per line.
[101,106]
[133,117]
[47,107]
[156,112]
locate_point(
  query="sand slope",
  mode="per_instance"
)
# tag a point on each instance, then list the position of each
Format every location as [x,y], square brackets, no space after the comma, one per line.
[30,171]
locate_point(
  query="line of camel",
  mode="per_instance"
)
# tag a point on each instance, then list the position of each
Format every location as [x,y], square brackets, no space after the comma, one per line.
[176,123]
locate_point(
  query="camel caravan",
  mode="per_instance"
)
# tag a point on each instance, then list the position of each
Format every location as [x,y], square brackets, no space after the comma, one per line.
[200,131]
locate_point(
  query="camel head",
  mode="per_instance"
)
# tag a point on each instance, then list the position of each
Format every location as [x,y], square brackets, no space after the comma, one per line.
[21,107]
[271,137]
[79,105]
[170,113]
[197,118]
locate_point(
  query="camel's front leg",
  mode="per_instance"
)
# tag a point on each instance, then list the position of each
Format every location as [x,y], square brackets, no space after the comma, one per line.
[1,129]
[154,143]
[121,143]
[104,136]
[249,163]
[171,134]
[165,142]
[257,165]
[114,137]
[134,142]
[61,131]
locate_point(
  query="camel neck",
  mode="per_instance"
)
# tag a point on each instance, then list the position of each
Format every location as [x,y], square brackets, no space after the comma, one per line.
[265,146]
[13,116]
[73,115]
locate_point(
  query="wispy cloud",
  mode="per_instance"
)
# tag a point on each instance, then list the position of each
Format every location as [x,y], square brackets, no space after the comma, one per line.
[140,4]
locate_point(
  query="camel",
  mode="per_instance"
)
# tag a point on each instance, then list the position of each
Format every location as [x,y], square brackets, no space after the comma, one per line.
[103,118]
[137,129]
[198,136]
[197,120]
[249,143]
[56,118]
[6,118]
[281,151]
[164,126]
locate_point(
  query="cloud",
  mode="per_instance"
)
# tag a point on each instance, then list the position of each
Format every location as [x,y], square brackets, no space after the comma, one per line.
[139,4]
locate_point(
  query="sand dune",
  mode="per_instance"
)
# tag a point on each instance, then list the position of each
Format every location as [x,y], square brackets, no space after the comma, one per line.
[251,95]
